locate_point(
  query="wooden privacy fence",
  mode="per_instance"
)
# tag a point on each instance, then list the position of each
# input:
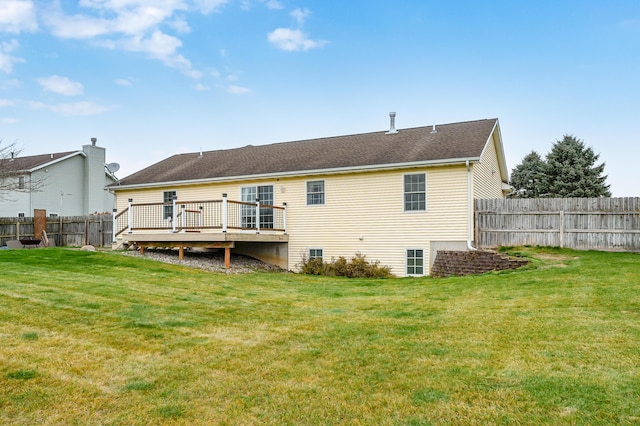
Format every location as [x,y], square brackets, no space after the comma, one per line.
[65,231]
[579,223]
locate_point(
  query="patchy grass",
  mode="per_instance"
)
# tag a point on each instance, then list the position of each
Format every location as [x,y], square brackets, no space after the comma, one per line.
[97,338]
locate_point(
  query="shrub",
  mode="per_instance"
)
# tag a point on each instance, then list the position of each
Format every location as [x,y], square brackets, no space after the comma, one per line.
[357,267]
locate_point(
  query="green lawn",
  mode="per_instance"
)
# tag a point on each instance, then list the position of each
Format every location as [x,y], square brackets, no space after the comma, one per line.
[100,338]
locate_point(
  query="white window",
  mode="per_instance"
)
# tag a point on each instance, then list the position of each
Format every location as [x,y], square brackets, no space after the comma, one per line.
[53,214]
[415,192]
[249,194]
[315,253]
[21,182]
[315,192]
[167,199]
[415,262]
[21,214]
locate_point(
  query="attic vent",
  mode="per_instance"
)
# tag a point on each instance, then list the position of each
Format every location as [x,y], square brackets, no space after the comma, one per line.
[392,124]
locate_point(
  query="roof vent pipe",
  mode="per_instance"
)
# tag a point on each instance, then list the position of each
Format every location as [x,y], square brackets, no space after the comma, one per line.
[93,141]
[433,129]
[392,126]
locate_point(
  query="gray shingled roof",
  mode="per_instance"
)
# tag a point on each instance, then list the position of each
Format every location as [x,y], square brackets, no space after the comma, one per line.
[25,164]
[451,141]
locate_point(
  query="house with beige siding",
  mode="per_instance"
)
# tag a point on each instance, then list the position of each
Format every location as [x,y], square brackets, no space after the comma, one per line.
[396,196]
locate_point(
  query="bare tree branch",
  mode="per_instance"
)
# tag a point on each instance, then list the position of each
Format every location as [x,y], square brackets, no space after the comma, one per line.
[15,175]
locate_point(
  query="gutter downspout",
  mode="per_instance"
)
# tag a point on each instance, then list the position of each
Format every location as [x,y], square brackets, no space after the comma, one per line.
[469,212]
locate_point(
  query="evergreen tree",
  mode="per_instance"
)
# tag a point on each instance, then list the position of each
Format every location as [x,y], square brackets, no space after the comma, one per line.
[527,177]
[571,171]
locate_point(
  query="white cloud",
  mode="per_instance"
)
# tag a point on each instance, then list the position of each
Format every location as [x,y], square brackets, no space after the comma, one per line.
[17,16]
[238,90]
[124,82]
[61,85]
[5,103]
[201,87]
[134,26]
[8,120]
[300,15]
[7,61]
[273,4]
[180,25]
[208,6]
[292,40]
[10,84]
[629,24]
[74,108]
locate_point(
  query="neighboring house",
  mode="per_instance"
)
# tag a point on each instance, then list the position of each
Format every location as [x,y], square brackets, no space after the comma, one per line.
[395,196]
[64,184]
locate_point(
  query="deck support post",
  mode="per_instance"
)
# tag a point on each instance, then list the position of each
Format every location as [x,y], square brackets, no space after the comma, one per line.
[284,217]
[129,217]
[224,212]
[181,252]
[257,215]
[175,214]
[227,257]
[113,227]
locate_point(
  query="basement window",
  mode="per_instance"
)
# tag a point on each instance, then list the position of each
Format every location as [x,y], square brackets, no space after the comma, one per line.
[415,262]
[315,253]
[21,214]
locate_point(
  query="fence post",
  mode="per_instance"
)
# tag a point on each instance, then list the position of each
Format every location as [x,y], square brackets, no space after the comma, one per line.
[18,231]
[224,212]
[201,219]
[129,216]
[561,228]
[257,215]
[113,226]
[284,218]
[182,214]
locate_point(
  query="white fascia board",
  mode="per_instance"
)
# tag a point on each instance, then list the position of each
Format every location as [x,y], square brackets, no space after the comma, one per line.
[57,160]
[338,170]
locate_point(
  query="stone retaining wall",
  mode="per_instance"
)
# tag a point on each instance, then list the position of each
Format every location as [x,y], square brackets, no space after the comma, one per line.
[449,263]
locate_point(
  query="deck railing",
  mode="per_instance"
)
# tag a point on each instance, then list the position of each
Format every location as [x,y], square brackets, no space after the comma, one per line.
[195,216]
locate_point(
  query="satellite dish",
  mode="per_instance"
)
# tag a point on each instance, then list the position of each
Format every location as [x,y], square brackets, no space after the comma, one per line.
[113,167]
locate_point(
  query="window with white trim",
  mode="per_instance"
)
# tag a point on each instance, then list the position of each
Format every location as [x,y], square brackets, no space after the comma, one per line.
[315,253]
[249,194]
[415,262]
[315,192]
[167,199]
[415,192]
[21,182]
[21,214]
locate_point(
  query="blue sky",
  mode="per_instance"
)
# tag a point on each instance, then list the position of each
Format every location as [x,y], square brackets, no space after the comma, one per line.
[152,78]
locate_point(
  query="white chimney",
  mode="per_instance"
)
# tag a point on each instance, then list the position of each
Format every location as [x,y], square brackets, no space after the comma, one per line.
[392,126]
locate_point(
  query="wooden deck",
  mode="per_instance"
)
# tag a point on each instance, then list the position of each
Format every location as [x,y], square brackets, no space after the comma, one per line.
[207,224]
[182,240]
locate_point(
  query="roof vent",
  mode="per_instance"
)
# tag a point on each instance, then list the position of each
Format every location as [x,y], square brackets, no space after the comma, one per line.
[93,141]
[433,129]
[52,156]
[392,125]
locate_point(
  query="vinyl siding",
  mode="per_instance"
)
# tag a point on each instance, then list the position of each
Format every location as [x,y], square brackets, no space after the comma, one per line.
[363,212]
[486,174]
